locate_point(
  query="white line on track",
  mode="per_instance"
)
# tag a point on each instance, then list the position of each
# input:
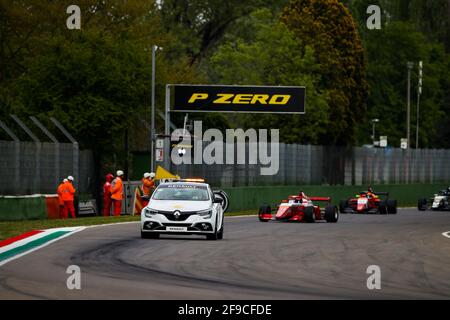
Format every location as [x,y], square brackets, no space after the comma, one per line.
[446,234]
[43,233]
[41,246]
[111,224]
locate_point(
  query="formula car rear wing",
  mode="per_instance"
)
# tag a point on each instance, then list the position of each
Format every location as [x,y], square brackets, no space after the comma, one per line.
[320,199]
[325,199]
[293,197]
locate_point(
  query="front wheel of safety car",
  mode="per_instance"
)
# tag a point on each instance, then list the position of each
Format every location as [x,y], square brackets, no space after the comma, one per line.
[149,235]
[331,214]
[212,236]
[220,234]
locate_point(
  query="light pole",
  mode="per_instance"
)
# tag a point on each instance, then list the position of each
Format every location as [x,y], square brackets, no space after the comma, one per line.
[152,122]
[410,65]
[419,92]
[374,121]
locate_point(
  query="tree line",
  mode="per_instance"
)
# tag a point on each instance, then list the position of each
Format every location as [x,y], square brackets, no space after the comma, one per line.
[97,80]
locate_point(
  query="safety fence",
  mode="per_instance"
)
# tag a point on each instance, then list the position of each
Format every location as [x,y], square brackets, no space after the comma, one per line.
[30,167]
[330,165]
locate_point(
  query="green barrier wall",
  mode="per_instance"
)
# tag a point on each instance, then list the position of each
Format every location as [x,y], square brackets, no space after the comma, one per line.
[23,208]
[245,198]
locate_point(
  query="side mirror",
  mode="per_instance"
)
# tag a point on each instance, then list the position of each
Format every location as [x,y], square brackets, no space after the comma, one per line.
[221,197]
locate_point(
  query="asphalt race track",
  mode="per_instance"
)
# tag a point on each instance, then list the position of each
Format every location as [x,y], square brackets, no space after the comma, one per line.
[254,261]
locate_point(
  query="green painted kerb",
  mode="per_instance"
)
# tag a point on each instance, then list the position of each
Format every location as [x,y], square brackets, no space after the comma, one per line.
[32,244]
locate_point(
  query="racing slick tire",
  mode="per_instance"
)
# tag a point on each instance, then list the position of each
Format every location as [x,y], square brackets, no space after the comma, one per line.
[422,204]
[343,205]
[382,208]
[149,235]
[391,206]
[264,209]
[331,214]
[309,214]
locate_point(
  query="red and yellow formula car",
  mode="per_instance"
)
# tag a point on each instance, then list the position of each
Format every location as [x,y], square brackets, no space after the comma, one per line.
[369,202]
[300,208]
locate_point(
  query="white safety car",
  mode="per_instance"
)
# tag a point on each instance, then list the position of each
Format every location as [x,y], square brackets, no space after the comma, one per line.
[183,207]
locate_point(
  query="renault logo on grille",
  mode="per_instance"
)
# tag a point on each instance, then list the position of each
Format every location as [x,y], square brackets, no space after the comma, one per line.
[177,214]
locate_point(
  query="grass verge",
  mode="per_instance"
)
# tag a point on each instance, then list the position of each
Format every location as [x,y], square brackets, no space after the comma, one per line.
[10,229]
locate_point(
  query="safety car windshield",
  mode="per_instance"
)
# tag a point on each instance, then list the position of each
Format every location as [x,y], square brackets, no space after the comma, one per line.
[183,192]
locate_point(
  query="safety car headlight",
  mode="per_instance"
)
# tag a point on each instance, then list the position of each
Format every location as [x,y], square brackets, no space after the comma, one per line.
[149,212]
[205,213]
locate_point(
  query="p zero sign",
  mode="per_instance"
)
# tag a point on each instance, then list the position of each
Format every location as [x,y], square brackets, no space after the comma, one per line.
[250,99]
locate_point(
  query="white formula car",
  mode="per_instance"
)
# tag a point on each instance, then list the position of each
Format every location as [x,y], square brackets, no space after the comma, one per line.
[183,207]
[439,202]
